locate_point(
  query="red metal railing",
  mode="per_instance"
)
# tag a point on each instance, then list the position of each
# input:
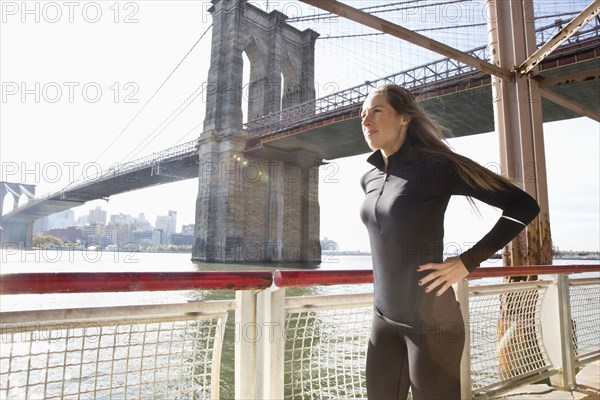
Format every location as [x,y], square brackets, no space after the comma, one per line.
[309,278]
[38,283]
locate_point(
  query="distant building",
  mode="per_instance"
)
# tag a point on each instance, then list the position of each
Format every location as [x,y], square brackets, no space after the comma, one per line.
[167,224]
[61,220]
[122,219]
[40,226]
[118,233]
[148,237]
[83,220]
[142,224]
[95,234]
[71,234]
[328,245]
[97,216]
[188,229]
[180,239]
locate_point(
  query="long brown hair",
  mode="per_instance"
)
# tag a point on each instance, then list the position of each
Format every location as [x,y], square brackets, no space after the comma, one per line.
[428,136]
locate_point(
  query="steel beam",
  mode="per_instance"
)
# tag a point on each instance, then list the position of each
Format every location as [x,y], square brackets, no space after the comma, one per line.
[518,120]
[382,25]
[569,104]
[582,76]
[569,30]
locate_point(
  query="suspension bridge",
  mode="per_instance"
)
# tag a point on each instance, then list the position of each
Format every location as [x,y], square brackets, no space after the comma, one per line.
[329,127]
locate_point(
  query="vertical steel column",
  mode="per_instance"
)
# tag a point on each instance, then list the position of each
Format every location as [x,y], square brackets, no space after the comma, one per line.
[566,331]
[270,350]
[245,344]
[557,326]
[538,234]
[462,295]
[517,114]
[518,119]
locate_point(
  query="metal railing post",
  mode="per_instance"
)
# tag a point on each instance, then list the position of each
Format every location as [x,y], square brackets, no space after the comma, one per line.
[270,352]
[557,335]
[245,344]
[566,329]
[462,295]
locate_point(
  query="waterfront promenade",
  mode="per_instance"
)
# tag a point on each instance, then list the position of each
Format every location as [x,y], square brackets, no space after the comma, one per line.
[587,388]
[121,346]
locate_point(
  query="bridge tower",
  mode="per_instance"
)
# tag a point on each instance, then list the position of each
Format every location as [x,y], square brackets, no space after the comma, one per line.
[259,208]
[17,234]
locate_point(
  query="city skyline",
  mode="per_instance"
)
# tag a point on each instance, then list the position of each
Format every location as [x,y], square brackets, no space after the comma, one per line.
[118,231]
[119,217]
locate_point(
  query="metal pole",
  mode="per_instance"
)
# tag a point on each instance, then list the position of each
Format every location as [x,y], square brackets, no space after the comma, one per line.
[270,350]
[517,113]
[245,347]
[462,295]
[539,235]
[566,331]
[501,53]
[518,117]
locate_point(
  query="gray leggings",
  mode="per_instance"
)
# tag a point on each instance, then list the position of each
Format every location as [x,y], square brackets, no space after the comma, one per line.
[426,360]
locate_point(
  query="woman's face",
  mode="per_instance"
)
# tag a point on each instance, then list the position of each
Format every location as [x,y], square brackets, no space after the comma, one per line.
[384,129]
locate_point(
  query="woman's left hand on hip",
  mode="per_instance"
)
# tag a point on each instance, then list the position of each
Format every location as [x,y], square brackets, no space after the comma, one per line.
[444,274]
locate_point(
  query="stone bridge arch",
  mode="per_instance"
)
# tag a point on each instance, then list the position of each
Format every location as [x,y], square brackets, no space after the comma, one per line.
[16,190]
[260,208]
[17,234]
[273,48]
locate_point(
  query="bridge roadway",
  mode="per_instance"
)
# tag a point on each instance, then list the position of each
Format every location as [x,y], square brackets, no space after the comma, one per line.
[463,103]
[174,164]
[330,127]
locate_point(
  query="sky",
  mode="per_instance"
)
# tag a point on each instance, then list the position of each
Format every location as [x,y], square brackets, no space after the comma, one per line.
[80,93]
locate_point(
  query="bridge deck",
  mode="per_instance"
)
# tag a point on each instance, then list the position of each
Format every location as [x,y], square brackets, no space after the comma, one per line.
[463,104]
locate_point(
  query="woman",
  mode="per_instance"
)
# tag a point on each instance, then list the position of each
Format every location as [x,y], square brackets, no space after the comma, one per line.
[417,334]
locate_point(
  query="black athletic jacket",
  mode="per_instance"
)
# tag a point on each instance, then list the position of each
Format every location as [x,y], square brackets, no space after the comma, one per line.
[403,211]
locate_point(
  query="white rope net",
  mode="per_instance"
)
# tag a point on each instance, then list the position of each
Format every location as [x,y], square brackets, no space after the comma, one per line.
[585,319]
[325,353]
[162,359]
[506,338]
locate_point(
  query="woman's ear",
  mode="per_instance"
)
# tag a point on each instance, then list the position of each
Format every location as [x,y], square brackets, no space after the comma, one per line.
[404,119]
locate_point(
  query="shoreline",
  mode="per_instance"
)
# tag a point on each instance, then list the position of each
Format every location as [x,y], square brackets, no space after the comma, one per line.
[566,255]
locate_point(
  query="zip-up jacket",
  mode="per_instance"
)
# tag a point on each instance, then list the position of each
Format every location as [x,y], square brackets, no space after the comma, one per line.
[403,211]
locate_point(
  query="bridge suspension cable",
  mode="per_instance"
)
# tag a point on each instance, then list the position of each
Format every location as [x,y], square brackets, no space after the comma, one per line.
[408,5]
[166,122]
[134,118]
[371,53]
[189,133]
[373,10]
[440,28]
[155,93]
